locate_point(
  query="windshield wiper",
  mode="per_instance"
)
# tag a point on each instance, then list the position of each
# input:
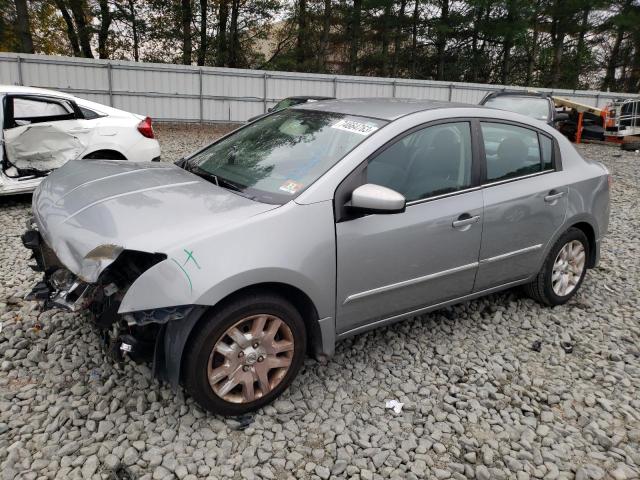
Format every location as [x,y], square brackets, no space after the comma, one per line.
[218,180]
[223,182]
[204,174]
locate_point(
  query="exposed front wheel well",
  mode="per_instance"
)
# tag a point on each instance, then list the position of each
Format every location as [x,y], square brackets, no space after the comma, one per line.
[296,297]
[105,155]
[589,232]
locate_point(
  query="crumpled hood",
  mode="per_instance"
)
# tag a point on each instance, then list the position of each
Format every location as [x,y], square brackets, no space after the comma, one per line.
[150,207]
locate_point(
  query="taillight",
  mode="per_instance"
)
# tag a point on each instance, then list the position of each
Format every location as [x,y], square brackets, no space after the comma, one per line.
[145,128]
[610,180]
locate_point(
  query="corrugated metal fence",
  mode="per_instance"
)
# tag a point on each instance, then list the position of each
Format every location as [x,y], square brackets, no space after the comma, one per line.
[206,94]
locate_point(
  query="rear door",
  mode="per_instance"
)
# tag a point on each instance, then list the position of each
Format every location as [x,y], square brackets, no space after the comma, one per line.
[42,133]
[525,201]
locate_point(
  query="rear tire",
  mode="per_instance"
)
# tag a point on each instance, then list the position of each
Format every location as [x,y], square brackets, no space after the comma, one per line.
[245,354]
[563,270]
[631,144]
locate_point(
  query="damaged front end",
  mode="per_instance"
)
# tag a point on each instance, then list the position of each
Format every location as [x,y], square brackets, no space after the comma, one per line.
[157,335]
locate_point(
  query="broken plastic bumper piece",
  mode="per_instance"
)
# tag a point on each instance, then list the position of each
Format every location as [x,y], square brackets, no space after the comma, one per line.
[59,288]
[158,315]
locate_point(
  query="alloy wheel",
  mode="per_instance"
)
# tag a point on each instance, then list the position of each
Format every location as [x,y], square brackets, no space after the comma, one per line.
[251,358]
[568,268]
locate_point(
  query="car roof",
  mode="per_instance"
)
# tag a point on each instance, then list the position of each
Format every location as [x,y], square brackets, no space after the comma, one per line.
[309,97]
[516,93]
[32,91]
[381,108]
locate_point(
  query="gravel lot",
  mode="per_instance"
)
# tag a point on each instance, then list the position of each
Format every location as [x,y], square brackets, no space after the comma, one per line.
[478,401]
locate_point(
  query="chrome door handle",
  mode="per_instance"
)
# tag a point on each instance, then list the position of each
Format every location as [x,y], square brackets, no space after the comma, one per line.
[552,197]
[465,220]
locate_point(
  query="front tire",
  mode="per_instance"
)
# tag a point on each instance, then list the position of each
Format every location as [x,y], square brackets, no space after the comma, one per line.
[245,354]
[563,270]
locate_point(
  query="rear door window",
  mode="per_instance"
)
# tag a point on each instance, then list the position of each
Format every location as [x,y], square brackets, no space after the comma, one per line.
[511,151]
[25,110]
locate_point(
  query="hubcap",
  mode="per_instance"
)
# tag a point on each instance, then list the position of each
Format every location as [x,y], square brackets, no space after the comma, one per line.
[568,268]
[250,359]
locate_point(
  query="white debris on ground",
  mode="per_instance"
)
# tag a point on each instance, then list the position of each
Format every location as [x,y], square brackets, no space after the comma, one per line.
[394,405]
[479,402]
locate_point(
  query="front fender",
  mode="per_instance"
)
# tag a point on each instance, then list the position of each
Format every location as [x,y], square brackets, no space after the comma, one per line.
[168,284]
[263,249]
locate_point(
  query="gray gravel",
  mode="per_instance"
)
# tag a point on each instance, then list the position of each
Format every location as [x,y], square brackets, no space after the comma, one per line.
[478,402]
[178,140]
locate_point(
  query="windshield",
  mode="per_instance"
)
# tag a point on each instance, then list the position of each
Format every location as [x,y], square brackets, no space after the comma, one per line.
[534,107]
[277,157]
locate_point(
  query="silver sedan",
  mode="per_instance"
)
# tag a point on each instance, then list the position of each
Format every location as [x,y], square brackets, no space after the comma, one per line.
[311,225]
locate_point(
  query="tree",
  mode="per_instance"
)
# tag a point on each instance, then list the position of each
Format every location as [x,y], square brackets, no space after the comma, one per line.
[353,35]
[23,27]
[71,29]
[103,33]
[321,63]
[186,14]
[633,79]
[223,18]
[415,18]
[234,51]
[442,32]
[302,52]
[82,20]
[555,43]
[620,23]
[202,48]
[398,37]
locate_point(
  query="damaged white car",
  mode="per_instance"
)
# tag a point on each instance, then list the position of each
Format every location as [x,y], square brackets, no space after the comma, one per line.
[43,129]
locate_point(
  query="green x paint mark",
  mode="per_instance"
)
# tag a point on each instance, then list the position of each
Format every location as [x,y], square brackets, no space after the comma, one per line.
[185,272]
[190,257]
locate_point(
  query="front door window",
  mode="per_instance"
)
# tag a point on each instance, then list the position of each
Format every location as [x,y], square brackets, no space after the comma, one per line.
[432,161]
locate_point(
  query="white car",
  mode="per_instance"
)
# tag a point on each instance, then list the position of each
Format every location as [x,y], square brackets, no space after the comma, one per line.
[44,129]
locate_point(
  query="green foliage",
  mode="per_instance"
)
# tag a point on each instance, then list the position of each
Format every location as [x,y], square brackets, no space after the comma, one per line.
[554,43]
[8,39]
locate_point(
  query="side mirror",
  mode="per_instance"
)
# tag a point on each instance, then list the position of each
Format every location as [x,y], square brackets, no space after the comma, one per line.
[270,109]
[371,198]
[561,117]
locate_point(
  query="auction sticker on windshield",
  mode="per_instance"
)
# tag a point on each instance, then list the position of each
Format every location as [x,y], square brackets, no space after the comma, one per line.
[291,187]
[354,126]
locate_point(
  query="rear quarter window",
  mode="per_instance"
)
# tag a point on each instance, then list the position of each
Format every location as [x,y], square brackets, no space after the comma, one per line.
[89,114]
[546,149]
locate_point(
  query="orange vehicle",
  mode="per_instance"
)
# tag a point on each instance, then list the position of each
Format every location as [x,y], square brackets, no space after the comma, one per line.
[621,119]
[617,120]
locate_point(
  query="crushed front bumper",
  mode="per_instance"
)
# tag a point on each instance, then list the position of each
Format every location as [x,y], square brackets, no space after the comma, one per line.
[158,335]
[59,288]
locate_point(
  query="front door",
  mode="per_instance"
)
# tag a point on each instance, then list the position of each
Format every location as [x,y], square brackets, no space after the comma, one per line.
[392,264]
[525,202]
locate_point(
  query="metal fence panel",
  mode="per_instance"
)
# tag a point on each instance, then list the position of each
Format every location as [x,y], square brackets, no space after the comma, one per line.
[73,77]
[232,87]
[192,94]
[145,81]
